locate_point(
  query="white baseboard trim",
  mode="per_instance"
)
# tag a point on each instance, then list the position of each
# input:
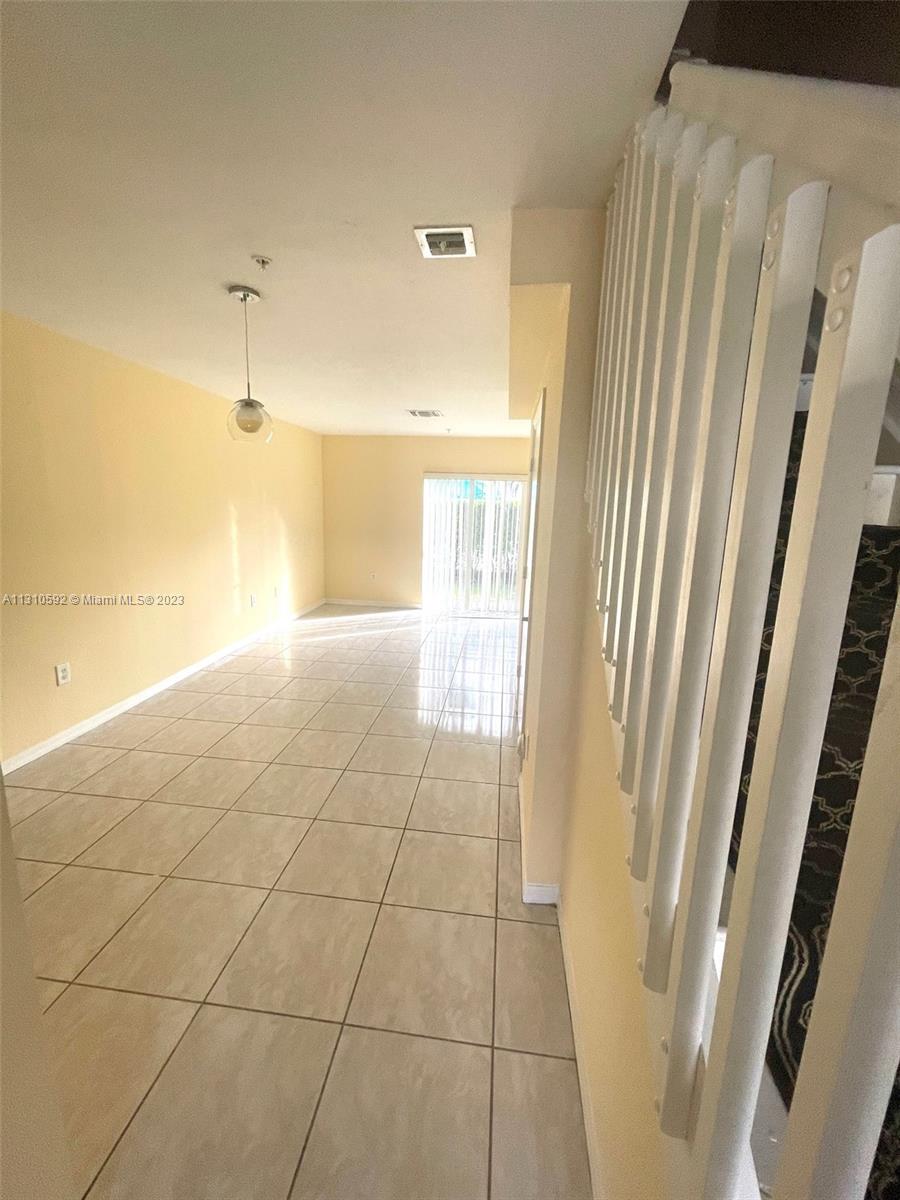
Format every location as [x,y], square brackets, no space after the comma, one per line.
[540,893]
[89,723]
[373,604]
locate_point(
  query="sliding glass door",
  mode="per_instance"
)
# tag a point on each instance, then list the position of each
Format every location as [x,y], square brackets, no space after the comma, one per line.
[471,543]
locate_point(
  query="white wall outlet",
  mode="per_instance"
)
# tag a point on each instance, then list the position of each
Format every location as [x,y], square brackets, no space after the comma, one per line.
[63,674]
[253,600]
[372,576]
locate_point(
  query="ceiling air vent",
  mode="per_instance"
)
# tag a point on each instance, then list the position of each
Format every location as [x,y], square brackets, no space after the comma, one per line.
[424,412]
[446,241]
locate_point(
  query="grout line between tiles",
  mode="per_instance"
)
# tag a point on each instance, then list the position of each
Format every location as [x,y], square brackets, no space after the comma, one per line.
[458,652]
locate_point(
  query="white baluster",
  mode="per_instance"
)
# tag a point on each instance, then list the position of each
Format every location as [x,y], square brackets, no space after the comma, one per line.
[712,183]
[776,355]
[850,1056]
[687,160]
[731,325]
[856,356]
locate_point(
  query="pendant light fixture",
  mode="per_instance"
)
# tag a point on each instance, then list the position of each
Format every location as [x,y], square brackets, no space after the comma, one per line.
[248,421]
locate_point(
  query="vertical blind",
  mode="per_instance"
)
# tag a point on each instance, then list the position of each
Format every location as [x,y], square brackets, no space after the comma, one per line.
[470,545]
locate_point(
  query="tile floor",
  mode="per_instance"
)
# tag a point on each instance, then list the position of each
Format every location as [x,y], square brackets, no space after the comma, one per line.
[277,922]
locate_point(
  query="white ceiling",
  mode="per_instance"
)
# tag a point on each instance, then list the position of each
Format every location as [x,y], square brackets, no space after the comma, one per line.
[150,148]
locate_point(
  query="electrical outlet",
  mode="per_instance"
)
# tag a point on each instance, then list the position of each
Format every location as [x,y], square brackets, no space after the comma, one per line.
[63,674]
[372,576]
[253,600]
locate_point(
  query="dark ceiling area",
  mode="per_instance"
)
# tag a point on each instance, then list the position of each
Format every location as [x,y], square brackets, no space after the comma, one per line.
[854,40]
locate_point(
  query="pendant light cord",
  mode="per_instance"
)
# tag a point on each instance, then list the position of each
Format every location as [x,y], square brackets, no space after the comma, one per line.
[246,343]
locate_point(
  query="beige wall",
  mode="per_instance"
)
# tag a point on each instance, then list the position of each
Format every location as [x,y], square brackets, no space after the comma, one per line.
[597,926]
[117,479]
[557,246]
[373,506]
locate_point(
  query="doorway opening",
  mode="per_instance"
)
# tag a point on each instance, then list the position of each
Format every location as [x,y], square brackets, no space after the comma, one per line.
[471,544]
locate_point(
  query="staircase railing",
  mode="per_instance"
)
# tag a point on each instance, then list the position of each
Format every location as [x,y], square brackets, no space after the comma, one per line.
[713,252]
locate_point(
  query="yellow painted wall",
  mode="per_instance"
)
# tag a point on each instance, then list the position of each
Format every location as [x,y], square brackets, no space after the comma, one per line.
[628,1154]
[118,479]
[373,506]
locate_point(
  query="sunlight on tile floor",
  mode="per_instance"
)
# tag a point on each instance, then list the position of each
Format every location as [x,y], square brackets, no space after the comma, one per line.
[277,922]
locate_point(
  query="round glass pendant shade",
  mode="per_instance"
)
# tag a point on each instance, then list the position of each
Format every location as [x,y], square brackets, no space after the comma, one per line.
[248,421]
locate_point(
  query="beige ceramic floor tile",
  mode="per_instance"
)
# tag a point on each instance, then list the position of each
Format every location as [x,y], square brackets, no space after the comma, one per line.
[136,775]
[33,875]
[283,665]
[211,783]
[321,748]
[47,991]
[402,1118]
[107,1048]
[62,769]
[338,859]
[310,689]
[370,672]
[188,736]
[532,1007]
[155,838]
[472,727]
[224,707]
[539,1148]
[428,972]
[470,701]
[446,871]
[76,913]
[124,732]
[509,890]
[509,767]
[261,686]
[301,955]
[327,670]
[205,681]
[289,714]
[462,760]
[356,691]
[59,832]
[423,698]
[429,676]
[509,813]
[22,802]
[368,798]
[231,1109]
[390,658]
[406,722]
[344,718]
[391,755]
[455,806]
[289,791]
[245,847]
[179,941]
[341,654]
[171,703]
[254,743]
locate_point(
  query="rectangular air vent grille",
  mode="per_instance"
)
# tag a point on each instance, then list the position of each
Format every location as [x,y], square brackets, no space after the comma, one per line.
[424,412]
[446,241]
